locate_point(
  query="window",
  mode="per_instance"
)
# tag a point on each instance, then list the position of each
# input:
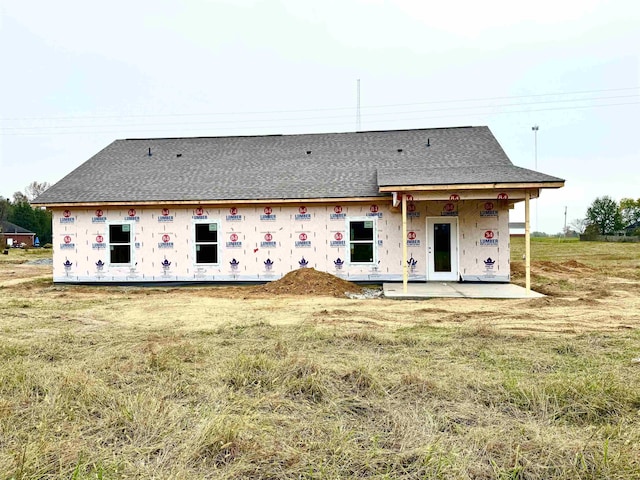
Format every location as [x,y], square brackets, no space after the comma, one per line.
[120,243]
[206,242]
[361,245]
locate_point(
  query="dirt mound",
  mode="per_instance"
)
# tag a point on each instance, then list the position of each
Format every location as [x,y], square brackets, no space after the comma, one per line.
[308,281]
[549,267]
[517,268]
[573,264]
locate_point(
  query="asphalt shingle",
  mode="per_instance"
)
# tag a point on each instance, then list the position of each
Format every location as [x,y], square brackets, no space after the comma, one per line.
[328,165]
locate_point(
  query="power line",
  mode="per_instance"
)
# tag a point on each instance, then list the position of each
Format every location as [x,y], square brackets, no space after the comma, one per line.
[333,117]
[268,112]
[142,127]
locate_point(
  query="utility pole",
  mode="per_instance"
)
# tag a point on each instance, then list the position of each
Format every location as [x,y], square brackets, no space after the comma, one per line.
[535,129]
[565,222]
[358,124]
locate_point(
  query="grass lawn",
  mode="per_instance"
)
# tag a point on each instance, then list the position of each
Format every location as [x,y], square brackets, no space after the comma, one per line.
[122,382]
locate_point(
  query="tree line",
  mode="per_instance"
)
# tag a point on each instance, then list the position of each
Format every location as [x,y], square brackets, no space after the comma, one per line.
[607,217]
[20,212]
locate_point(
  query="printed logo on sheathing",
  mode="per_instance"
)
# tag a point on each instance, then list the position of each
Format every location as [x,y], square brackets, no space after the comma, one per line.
[198,214]
[166,216]
[303,214]
[338,240]
[412,239]
[67,243]
[268,215]
[337,214]
[454,197]
[488,267]
[99,244]
[449,210]
[166,242]
[234,241]
[66,217]
[268,241]
[412,211]
[489,239]
[99,217]
[374,211]
[132,217]
[488,210]
[233,215]
[489,263]
[303,241]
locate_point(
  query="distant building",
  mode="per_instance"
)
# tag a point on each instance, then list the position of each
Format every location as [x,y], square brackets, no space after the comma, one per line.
[629,229]
[516,229]
[16,235]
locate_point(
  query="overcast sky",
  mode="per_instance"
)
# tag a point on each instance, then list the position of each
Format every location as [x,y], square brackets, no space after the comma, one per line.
[77,75]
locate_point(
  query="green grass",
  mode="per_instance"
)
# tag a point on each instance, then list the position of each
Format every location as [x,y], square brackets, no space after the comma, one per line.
[307,402]
[609,255]
[20,255]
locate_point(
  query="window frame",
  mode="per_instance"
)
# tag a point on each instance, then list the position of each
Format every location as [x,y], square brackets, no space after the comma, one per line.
[373,241]
[131,244]
[216,243]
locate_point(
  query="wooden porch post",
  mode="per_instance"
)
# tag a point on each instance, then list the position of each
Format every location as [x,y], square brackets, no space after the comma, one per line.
[405,267]
[527,242]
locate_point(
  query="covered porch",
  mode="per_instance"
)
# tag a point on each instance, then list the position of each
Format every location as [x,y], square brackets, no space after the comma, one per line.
[464,247]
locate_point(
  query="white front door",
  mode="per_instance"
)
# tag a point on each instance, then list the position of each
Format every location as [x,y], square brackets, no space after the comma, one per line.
[442,248]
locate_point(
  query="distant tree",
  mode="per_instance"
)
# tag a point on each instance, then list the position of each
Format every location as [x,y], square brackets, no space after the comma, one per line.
[20,212]
[5,207]
[630,211]
[37,220]
[43,224]
[604,214]
[19,197]
[35,189]
[578,225]
[592,231]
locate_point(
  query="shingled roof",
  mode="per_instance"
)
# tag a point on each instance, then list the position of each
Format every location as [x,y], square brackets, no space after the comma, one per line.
[8,227]
[326,165]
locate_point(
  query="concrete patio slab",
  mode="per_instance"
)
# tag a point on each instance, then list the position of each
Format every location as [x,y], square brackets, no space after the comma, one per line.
[417,291]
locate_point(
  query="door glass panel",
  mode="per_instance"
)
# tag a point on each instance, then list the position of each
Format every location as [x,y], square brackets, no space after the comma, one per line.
[442,247]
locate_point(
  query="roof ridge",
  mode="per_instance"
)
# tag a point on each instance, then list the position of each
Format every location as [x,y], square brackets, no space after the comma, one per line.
[303,134]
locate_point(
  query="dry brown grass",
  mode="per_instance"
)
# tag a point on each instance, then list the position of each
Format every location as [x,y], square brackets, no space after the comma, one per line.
[199,382]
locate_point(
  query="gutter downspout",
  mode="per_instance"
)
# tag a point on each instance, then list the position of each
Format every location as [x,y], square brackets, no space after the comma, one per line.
[396,201]
[405,267]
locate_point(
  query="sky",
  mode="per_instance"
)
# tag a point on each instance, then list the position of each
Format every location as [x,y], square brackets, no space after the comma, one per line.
[77,75]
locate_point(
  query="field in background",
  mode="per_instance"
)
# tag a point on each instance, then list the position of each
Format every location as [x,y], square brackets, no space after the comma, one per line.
[231,382]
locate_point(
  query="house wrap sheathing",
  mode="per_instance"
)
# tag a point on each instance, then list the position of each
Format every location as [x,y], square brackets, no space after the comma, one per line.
[363,206]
